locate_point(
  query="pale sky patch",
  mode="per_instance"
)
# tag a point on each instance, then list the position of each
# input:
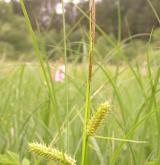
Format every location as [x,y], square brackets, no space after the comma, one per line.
[7,1]
[59,8]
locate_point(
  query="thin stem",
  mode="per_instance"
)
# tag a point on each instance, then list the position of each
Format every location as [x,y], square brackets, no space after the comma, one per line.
[118,139]
[42,64]
[119,21]
[66,77]
[88,88]
[35,43]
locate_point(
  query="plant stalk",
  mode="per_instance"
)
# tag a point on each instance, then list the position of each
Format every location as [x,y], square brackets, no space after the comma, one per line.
[88,88]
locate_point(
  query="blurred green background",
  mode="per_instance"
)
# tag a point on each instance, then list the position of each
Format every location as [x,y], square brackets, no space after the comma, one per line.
[126,72]
[130,21]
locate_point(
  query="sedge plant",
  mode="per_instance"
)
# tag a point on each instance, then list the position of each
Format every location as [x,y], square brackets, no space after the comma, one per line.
[91,124]
[88,87]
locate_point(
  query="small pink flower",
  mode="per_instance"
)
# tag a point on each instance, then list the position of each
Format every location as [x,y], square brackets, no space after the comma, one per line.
[60,74]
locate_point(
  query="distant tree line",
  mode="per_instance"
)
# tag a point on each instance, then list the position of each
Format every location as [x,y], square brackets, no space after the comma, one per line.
[136,16]
[127,17]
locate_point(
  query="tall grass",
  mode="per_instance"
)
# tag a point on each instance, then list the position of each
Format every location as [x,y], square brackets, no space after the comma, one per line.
[89,78]
[33,108]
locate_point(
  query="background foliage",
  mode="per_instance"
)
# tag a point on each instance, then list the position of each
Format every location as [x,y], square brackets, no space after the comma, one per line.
[118,19]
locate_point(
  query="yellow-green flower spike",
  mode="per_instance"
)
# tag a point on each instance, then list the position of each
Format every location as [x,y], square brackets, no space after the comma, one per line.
[51,154]
[97,119]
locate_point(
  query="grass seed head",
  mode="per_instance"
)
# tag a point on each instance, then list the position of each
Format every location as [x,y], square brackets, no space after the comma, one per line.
[51,154]
[96,120]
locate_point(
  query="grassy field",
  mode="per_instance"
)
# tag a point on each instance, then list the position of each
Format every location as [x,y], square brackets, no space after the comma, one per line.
[34,108]
[28,115]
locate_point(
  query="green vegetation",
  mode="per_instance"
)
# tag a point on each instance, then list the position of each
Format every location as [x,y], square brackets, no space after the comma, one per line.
[60,122]
[134,29]
[27,114]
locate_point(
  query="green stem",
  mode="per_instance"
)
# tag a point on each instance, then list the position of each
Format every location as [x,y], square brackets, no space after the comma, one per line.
[40,58]
[66,78]
[85,137]
[88,88]
[119,139]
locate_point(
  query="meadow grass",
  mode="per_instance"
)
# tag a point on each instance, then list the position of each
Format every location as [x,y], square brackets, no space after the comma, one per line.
[33,108]
[25,106]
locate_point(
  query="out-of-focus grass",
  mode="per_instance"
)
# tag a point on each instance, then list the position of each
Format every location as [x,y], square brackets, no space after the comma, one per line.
[25,104]
[33,108]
